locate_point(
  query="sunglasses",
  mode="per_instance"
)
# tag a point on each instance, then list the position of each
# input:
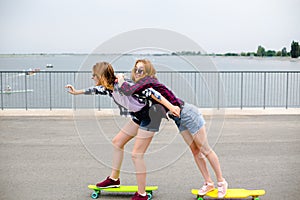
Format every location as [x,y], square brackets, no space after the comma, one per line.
[139,71]
[94,75]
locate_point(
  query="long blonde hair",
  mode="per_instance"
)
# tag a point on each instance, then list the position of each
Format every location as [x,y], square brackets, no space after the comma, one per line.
[149,70]
[105,73]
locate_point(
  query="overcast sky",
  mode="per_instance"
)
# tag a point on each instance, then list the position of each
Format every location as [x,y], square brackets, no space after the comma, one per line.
[79,26]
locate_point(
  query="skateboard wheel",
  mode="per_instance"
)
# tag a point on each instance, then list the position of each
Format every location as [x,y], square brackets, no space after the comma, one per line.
[256,198]
[200,198]
[149,196]
[95,195]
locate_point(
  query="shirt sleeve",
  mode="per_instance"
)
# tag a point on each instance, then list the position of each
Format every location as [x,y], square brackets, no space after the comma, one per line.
[128,89]
[149,91]
[96,90]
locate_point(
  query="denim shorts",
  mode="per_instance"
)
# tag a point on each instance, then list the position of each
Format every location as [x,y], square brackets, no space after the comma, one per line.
[191,119]
[149,119]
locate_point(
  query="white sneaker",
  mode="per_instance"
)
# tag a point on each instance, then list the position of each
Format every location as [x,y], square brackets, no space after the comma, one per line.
[222,188]
[207,187]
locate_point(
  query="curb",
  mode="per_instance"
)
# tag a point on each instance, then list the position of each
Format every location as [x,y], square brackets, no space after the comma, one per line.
[115,112]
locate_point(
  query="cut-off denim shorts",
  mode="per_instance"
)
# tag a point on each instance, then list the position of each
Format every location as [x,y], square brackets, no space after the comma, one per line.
[191,119]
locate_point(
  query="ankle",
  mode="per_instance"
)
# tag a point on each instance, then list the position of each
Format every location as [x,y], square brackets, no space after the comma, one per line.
[221,181]
[210,183]
[114,179]
[143,194]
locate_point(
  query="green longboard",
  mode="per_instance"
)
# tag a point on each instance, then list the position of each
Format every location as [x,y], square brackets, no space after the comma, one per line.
[122,188]
[232,194]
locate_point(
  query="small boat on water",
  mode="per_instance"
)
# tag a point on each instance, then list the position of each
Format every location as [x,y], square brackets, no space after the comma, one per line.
[30,72]
[49,66]
[8,90]
[16,91]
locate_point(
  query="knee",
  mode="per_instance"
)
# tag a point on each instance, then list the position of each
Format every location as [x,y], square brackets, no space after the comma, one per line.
[206,150]
[196,152]
[117,143]
[136,156]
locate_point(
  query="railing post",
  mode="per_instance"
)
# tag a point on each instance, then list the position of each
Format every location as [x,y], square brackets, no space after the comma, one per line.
[195,88]
[50,93]
[265,77]
[218,95]
[26,106]
[242,82]
[287,91]
[74,96]
[99,101]
[171,80]
[1,92]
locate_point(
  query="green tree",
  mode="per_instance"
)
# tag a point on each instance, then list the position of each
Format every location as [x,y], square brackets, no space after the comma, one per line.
[279,53]
[261,51]
[231,54]
[295,51]
[270,53]
[251,54]
[284,52]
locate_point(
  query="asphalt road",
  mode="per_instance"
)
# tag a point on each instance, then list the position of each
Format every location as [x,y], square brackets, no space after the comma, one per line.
[56,157]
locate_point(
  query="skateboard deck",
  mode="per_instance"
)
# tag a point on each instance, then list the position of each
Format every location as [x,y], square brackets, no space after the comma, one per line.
[232,194]
[121,189]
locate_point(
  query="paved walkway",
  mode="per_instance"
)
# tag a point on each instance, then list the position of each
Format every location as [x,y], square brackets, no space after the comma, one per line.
[55,156]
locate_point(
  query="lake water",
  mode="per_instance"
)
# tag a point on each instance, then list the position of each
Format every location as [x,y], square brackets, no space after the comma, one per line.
[248,88]
[162,63]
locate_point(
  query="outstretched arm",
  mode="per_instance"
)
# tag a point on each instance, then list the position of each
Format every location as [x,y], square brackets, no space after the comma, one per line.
[92,90]
[73,91]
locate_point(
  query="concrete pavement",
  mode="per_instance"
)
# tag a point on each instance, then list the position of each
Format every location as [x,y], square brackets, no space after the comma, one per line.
[51,156]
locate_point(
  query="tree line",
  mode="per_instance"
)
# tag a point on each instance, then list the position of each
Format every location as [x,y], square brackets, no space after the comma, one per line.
[260,52]
[294,53]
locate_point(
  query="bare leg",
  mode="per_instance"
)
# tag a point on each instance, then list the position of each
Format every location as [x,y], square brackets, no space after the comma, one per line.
[119,141]
[143,140]
[200,139]
[198,156]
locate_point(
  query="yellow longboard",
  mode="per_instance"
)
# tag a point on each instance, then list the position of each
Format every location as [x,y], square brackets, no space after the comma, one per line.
[232,194]
[122,188]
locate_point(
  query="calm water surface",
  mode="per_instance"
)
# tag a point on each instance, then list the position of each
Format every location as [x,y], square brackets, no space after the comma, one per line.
[165,63]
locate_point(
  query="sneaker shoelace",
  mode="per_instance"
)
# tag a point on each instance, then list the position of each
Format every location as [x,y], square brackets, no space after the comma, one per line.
[205,186]
[221,188]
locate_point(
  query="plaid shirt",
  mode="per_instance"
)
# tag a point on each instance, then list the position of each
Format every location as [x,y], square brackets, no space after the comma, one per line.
[126,104]
[149,82]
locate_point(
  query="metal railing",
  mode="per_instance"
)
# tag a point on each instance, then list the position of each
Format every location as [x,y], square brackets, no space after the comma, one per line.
[225,89]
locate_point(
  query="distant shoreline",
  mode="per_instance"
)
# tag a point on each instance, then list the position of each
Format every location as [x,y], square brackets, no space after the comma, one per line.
[112,54]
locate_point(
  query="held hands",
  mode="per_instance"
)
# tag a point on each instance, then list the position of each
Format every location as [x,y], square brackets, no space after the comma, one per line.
[121,79]
[120,76]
